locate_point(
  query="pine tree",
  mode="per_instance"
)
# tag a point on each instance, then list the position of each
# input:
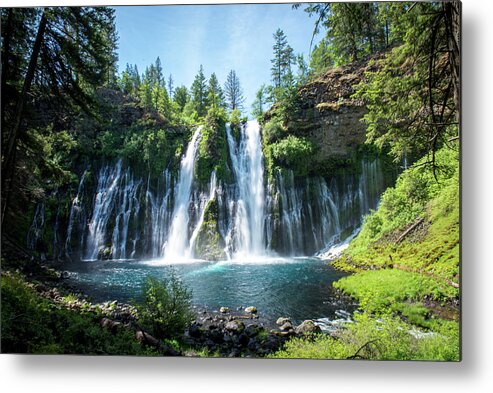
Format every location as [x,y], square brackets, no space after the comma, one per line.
[181,97]
[199,93]
[52,58]
[215,96]
[259,105]
[233,92]
[170,86]
[158,73]
[282,76]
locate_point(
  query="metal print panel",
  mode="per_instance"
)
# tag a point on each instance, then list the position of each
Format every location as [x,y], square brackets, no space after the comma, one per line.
[261,180]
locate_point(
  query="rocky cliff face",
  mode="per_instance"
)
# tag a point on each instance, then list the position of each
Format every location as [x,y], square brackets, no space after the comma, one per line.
[329,116]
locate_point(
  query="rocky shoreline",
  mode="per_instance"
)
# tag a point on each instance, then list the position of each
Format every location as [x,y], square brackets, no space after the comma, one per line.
[223,332]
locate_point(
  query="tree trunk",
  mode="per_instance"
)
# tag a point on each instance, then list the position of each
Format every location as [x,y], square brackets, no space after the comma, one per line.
[5,59]
[9,157]
[453,13]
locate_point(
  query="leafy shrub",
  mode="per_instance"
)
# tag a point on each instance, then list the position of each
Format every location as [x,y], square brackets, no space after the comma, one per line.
[166,309]
[294,153]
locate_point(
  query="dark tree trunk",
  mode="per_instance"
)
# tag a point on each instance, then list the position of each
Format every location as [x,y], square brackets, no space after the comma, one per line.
[9,156]
[452,12]
[6,59]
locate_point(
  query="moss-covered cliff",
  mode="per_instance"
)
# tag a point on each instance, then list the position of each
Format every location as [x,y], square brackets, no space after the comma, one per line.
[319,131]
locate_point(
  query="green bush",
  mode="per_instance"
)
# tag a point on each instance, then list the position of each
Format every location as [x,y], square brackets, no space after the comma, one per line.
[294,153]
[166,308]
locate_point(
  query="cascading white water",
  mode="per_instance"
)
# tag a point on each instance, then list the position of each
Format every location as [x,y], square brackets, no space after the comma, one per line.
[37,227]
[246,157]
[76,210]
[287,215]
[178,239]
[160,213]
[108,187]
[124,208]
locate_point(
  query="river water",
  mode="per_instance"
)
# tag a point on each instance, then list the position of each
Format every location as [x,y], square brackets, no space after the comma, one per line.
[298,288]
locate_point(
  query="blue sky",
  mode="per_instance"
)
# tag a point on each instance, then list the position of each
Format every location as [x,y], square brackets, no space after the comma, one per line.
[220,37]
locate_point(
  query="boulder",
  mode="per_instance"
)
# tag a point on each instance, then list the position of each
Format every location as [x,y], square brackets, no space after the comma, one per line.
[286,326]
[224,310]
[308,326]
[282,320]
[251,310]
[252,330]
[235,326]
[195,330]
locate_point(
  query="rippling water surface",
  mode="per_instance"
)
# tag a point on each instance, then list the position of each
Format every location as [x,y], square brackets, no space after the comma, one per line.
[299,288]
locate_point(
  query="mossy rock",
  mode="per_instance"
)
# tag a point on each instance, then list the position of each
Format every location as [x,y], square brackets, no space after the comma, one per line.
[209,244]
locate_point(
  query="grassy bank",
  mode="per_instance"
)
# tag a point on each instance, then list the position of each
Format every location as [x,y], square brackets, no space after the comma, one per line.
[405,265]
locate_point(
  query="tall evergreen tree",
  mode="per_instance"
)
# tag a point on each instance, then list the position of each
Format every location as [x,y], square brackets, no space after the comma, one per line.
[170,86]
[233,92]
[181,97]
[259,105]
[282,76]
[215,96]
[72,52]
[199,92]
[158,70]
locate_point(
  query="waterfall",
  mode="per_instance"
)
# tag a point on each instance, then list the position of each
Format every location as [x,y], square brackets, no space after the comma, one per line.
[177,243]
[36,229]
[106,192]
[125,201]
[133,215]
[246,158]
[202,208]
[160,213]
[76,215]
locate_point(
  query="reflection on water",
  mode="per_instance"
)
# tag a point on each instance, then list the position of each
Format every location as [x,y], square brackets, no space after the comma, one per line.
[298,288]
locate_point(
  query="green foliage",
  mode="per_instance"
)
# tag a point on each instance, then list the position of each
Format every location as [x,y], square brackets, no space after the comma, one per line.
[422,265]
[409,199]
[166,308]
[181,97]
[213,148]
[209,244]
[215,96]
[321,58]
[259,105]
[143,144]
[410,105]
[31,324]
[294,153]
[233,92]
[199,93]
[281,64]
[382,338]
[379,291]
